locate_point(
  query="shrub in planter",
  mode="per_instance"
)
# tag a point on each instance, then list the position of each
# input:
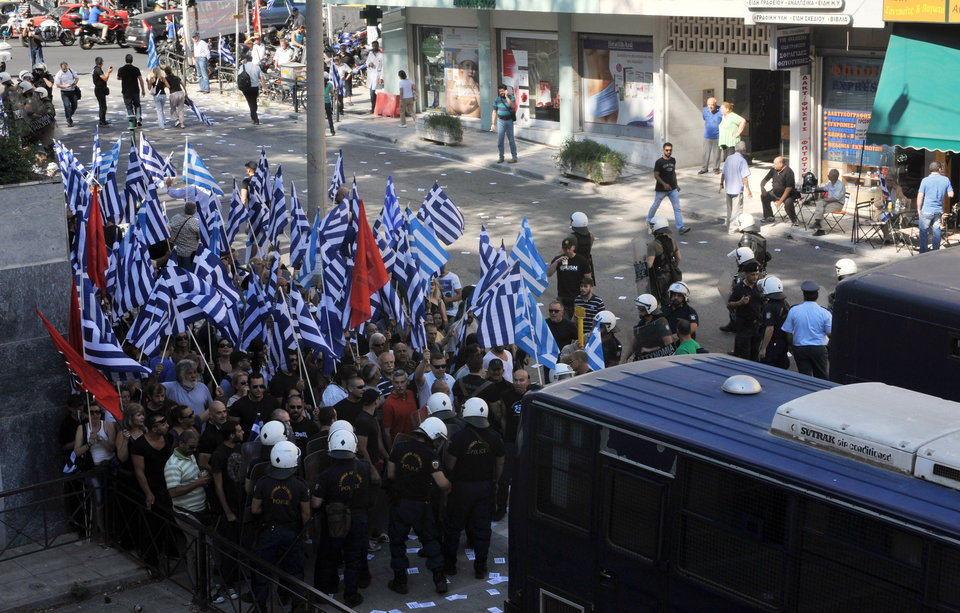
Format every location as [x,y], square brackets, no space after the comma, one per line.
[590,158]
[18,156]
[441,122]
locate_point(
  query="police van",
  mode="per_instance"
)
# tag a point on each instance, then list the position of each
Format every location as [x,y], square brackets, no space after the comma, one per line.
[710,483]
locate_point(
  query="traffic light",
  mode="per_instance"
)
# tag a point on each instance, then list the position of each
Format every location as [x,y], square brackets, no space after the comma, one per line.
[372,14]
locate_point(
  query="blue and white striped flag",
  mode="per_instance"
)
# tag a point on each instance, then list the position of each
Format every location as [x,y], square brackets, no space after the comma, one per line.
[310,264]
[425,247]
[97,156]
[441,215]
[273,281]
[100,346]
[337,179]
[259,200]
[237,216]
[135,274]
[408,275]
[152,60]
[392,215]
[226,57]
[497,318]
[532,266]
[153,219]
[110,159]
[200,115]
[210,268]
[336,79]
[279,218]
[151,160]
[154,321]
[137,181]
[196,173]
[299,229]
[488,255]
[211,220]
[194,299]
[111,203]
[387,253]
[594,350]
[532,333]
[306,326]
[255,314]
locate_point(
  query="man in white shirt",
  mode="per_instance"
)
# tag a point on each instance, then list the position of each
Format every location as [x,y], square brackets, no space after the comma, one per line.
[257,50]
[374,73]
[201,55]
[832,201]
[450,288]
[407,106]
[283,55]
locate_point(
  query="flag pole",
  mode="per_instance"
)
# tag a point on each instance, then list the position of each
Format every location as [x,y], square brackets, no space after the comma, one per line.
[213,377]
[303,365]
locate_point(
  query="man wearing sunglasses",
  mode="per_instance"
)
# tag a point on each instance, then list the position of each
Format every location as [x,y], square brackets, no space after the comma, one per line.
[256,402]
[431,368]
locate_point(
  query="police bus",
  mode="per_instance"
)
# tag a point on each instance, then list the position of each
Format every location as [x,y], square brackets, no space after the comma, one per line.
[710,483]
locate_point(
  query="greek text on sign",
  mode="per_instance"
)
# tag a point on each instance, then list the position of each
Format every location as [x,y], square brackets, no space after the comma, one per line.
[795,4]
[800,18]
[863,123]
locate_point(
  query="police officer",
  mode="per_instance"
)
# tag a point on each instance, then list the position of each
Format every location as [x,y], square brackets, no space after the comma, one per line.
[282,501]
[773,343]
[663,259]
[414,468]
[679,308]
[747,300]
[612,349]
[845,267]
[750,237]
[741,255]
[343,493]
[651,336]
[581,234]
[474,460]
[439,406]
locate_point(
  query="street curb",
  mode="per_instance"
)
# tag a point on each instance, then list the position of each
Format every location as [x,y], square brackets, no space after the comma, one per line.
[97,588]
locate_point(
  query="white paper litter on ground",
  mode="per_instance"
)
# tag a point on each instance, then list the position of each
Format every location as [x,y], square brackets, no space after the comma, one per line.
[493,591]
[499,560]
[413,570]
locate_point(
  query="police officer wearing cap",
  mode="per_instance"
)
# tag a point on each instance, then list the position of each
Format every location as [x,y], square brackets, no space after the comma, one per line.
[282,501]
[344,485]
[414,470]
[474,459]
[807,326]
[747,301]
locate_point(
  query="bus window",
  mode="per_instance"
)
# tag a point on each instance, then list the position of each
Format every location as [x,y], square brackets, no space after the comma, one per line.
[852,562]
[634,509]
[948,588]
[564,452]
[733,532]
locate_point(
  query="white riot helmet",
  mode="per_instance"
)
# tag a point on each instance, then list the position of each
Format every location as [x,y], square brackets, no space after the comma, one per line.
[284,455]
[659,224]
[647,303]
[475,412]
[4,77]
[439,402]
[606,320]
[846,267]
[42,93]
[25,75]
[679,287]
[26,86]
[41,65]
[771,287]
[742,255]
[578,220]
[340,424]
[342,444]
[561,372]
[747,223]
[273,432]
[433,428]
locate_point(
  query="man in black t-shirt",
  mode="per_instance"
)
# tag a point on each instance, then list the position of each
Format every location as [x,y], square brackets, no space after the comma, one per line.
[351,406]
[285,380]
[783,190]
[564,331]
[512,399]
[129,77]
[365,426]
[256,403]
[214,433]
[570,269]
[303,427]
[665,172]
[499,386]
[226,468]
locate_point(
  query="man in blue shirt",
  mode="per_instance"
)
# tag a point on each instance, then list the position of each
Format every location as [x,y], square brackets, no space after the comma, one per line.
[94,18]
[807,326]
[711,136]
[733,181]
[930,204]
[502,121]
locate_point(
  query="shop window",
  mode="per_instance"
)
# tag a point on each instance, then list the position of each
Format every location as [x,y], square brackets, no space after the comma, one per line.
[617,85]
[449,70]
[531,70]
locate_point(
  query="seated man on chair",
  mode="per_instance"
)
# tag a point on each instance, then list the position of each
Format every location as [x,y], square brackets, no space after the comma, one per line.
[834,193]
[783,191]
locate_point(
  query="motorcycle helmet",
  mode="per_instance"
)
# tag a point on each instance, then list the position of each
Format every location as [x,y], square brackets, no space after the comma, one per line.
[433,428]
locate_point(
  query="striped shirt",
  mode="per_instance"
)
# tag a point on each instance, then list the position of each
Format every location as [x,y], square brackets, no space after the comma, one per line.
[592,307]
[181,470]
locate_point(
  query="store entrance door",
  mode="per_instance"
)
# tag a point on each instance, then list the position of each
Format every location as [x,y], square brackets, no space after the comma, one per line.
[762,97]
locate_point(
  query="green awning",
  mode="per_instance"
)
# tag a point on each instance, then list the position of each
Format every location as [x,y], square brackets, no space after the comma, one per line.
[918,98]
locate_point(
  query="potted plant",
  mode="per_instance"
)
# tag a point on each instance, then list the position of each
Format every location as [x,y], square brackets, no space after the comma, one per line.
[442,128]
[590,160]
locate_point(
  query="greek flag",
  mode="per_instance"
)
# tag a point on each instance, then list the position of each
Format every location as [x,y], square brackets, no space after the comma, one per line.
[135,276]
[336,79]
[392,215]
[532,266]
[337,179]
[273,281]
[211,221]
[97,158]
[407,274]
[109,160]
[135,189]
[306,325]
[299,230]
[255,315]
[594,351]
[283,328]
[200,115]
[488,255]
[278,211]
[258,201]
[211,269]
[154,321]
[100,346]
[225,56]
[532,333]
[151,160]
[152,60]
[309,268]
[497,318]
[387,254]
[194,299]
[441,215]
[194,171]
[237,216]
[425,247]
[153,219]
[110,201]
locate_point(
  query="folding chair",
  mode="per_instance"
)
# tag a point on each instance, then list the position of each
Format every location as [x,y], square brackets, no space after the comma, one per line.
[805,209]
[865,228]
[834,219]
[905,235]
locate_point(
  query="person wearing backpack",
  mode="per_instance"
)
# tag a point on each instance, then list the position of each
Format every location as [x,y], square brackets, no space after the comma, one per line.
[249,82]
[342,493]
[663,260]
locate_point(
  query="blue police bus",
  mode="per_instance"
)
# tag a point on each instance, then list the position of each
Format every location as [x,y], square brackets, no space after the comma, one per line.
[709,483]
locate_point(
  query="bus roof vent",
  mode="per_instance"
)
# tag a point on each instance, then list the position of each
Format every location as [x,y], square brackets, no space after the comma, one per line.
[939,461]
[876,423]
[741,385]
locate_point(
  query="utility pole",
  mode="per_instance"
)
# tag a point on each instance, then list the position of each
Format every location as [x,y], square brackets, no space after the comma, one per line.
[316,116]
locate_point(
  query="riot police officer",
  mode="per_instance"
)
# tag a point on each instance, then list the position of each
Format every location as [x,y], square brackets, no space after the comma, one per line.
[651,336]
[414,469]
[581,234]
[773,340]
[741,255]
[612,349]
[750,237]
[474,459]
[679,308]
[845,267]
[747,300]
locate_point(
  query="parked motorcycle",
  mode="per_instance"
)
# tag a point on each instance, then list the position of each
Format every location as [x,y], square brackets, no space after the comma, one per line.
[116,34]
[50,31]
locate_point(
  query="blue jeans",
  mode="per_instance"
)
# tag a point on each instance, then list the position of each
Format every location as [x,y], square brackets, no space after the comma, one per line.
[203,75]
[505,128]
[925,223]
[132,104]
[69,99]
[36,56]
[674,196]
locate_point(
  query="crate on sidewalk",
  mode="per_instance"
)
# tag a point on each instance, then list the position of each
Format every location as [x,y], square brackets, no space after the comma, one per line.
[293,71]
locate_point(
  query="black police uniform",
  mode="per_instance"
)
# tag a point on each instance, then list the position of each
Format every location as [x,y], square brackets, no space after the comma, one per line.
[774,314]
[584,240]
[746,344]
[612,350]
[672,313]
[471,501]
[651,335]
[279,540]
[346,481]
[415,463]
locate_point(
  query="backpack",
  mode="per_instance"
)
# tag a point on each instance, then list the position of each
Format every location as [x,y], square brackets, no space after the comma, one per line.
[668,264]
[243,80]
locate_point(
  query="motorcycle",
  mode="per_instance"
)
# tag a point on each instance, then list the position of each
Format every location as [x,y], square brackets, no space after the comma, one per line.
[13,27]
[116,34]
[50,31]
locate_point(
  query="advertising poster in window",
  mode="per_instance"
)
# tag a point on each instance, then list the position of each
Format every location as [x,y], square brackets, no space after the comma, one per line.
[618,81]
[531,72]
[461,71]
[849,87]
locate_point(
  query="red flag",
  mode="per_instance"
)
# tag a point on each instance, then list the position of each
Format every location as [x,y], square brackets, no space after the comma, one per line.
[256,17]
[90,377]
[369,273]
[96,246]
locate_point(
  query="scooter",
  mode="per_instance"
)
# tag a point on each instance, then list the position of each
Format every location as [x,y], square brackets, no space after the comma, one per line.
[116,34]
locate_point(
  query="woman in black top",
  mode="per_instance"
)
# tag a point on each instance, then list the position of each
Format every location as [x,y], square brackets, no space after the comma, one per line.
[178,93]
[150,453]
[100,89]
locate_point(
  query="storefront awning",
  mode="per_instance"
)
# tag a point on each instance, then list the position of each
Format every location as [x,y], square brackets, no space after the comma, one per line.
[918,98]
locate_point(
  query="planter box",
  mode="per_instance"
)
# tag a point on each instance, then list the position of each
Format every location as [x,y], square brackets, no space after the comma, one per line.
[437,135]
[608,174]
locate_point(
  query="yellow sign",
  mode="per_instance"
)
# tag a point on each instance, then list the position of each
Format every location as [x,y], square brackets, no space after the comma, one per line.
[954,16]
[929,11]
[580,313]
